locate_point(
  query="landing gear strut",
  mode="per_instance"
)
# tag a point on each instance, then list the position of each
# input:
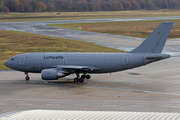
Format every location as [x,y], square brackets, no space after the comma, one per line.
[27,77]
[77,77]
[81,79]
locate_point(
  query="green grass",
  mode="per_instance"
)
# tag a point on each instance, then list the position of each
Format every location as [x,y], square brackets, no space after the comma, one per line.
[13,43]
[45,16]
[120,28]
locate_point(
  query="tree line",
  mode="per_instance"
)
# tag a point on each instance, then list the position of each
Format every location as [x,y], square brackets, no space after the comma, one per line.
[84,5]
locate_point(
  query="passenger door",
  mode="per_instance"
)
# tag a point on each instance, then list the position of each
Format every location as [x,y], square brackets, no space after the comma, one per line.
[23,63]
[125,60]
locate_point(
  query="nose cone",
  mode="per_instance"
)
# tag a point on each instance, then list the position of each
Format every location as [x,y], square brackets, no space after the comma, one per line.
[6,63]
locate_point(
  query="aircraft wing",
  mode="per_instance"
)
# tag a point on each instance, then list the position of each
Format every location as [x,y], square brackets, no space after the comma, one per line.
[69,68]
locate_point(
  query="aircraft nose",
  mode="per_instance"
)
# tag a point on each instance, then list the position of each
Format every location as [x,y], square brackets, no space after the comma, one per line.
[6,63]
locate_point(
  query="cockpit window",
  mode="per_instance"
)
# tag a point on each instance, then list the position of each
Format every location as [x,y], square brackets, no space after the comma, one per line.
[12,59]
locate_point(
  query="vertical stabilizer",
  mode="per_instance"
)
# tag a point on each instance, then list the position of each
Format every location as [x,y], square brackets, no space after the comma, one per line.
[155,42]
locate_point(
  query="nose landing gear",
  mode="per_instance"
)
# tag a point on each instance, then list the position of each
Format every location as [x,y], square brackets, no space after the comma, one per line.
[27,77]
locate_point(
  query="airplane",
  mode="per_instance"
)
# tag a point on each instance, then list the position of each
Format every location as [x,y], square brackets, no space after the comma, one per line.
[58,65]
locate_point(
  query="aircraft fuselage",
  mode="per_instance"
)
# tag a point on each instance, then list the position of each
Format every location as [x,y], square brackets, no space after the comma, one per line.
[104,62]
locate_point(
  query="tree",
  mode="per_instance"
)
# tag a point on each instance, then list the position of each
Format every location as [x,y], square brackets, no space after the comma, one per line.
[6,9]
[120,6]
[42,6]
[177,5]
[150,5]
[92,6]
[158,3]
[105,6]
[97,6]
[113,6]
[79,6]
[20,8]
[142,4]
[51,7]
[34,5]
[27,7]
[11,4]
[135,5]
[25,1]
[17,1]
[165,4]
[1,9]
[88,5]
[127,5]
[174,4]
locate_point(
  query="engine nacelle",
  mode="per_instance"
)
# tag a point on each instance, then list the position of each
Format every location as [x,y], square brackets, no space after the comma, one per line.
[51,74]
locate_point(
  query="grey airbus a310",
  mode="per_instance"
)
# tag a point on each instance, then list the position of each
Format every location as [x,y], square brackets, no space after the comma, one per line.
[57,65]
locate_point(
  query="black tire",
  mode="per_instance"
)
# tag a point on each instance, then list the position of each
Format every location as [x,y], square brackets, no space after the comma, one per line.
[75,80]
[88,76]
[83,77]
[81,80]
[27,78]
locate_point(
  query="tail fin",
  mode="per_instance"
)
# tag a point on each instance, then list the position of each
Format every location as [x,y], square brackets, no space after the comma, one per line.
[154,43]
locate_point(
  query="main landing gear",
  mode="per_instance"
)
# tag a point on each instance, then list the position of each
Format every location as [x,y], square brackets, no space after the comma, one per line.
[27,77]
[81,79]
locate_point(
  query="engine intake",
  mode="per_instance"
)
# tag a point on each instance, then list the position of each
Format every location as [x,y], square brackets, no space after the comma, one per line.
[51,74]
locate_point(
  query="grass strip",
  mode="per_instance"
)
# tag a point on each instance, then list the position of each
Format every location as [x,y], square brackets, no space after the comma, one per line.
[46,16]
[140,29]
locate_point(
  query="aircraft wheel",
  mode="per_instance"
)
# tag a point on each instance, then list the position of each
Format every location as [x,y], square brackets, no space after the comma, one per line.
[81,80]
[27,78]
[88,76]
[83,77]
[75,79]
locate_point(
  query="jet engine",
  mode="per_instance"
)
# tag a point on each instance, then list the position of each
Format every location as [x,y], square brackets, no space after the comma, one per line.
[51,74]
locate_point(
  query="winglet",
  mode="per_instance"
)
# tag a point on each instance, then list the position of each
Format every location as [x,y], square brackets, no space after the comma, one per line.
[155,42]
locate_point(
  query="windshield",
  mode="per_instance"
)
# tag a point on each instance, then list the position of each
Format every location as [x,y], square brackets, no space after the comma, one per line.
[12,59]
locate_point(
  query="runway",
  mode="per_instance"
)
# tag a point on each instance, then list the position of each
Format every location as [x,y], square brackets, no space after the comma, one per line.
[151,88]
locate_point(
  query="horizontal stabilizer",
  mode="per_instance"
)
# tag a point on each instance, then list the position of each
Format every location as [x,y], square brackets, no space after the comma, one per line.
[157,57]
